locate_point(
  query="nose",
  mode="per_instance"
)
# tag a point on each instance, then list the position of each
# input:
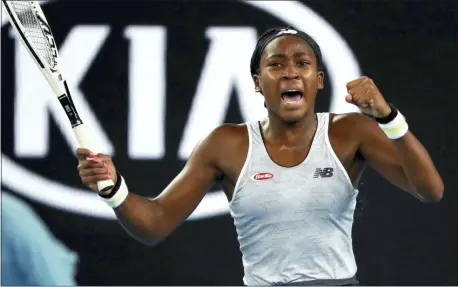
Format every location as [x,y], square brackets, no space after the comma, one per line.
[290,72]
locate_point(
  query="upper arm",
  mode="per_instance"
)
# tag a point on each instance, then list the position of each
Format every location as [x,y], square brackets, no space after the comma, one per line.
[181,197]
[379,151]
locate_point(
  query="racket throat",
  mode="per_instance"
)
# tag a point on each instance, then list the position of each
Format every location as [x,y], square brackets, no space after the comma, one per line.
[69,108]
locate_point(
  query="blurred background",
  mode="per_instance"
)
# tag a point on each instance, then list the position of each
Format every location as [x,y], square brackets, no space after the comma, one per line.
[153,77]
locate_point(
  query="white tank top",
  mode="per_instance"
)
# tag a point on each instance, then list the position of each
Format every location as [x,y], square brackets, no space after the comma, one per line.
[294,223]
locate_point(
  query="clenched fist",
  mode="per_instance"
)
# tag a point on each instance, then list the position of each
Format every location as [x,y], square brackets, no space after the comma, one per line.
[93,168]
[363,93]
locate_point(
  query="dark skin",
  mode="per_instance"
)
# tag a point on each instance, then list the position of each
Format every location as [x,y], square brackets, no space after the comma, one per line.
[288,62]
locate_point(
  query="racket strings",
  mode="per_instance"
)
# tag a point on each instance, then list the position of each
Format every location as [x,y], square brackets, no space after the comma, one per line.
[33,32]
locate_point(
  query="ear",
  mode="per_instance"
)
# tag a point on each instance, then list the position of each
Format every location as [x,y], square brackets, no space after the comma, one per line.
[257,86]
[320,80]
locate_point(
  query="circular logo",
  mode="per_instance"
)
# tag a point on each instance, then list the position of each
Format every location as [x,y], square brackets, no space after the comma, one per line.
[37,185]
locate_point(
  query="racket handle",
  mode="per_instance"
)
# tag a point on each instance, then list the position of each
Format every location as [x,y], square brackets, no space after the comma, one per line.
[82,137]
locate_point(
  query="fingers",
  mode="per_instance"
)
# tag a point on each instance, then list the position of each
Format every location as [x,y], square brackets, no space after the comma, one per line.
[102,156]
[364,94]
[94,171]
[91,171]
[357,82]
[360,92]
[88,164]
[359,101]
[360,82]
[92,180]
[84,153]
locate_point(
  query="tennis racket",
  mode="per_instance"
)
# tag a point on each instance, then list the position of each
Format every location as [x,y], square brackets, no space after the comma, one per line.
[33,29]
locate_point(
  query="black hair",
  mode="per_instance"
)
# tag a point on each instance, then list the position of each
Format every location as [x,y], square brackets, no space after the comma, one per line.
[271,34]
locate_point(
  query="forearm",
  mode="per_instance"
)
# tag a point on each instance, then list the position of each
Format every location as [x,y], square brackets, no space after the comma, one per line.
[404,160]
[418,167]
[151,220]
[141,218]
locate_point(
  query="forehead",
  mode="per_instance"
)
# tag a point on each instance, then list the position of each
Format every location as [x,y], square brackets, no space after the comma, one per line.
[287,44]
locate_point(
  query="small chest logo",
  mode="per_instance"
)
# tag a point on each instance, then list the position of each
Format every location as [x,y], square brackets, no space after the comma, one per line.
[260,176]
[323,172]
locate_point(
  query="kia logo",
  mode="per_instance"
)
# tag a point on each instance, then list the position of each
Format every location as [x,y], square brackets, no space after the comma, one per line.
[146,122]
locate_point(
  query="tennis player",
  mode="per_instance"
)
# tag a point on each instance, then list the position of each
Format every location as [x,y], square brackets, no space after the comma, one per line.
[291,179]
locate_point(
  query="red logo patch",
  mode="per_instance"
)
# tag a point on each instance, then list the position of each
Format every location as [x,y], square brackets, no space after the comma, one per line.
[261,176]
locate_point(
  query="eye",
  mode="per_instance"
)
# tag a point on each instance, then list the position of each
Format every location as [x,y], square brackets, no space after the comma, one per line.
[303,63]
[274,64]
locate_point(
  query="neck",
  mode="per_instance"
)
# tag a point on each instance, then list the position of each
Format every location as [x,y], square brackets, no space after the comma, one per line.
[290,133]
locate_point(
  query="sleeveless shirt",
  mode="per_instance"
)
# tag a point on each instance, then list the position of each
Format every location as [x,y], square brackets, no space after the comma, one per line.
[294,223]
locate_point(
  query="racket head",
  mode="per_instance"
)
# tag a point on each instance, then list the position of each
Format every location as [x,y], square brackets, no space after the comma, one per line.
[29,21]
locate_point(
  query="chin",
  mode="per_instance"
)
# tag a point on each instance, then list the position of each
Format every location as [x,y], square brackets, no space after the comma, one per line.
[291,117]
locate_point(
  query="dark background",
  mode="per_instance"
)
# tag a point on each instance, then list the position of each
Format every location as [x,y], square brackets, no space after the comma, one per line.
[408,48]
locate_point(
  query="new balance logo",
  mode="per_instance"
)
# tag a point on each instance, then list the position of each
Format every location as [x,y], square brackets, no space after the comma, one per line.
[323,172]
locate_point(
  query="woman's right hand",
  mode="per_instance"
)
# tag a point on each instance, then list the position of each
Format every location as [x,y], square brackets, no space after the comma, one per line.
[93,168]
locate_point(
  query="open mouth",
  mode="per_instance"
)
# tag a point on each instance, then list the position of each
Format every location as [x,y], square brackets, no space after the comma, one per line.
[291,96]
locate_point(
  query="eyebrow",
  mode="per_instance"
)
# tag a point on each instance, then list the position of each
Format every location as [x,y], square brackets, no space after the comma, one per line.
[284,56]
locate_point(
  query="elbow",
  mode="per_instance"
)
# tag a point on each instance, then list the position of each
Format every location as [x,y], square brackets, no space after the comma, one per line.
[149,239]
[155,237]
[157,230]
[433,194]
[150,242]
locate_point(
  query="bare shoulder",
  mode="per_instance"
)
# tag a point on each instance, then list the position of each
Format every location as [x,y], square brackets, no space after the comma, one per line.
[227,135]
[225,140]
[224,149]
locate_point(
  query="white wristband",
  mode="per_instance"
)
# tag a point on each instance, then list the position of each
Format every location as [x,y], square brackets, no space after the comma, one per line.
[120,195]
[397,128]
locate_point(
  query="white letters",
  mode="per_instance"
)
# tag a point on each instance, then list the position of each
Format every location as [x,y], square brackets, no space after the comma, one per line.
[226,68]
[147,107]
[34,96]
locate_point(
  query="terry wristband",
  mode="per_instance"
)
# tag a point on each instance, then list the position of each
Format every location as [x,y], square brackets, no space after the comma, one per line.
[396,127]
[118,194]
